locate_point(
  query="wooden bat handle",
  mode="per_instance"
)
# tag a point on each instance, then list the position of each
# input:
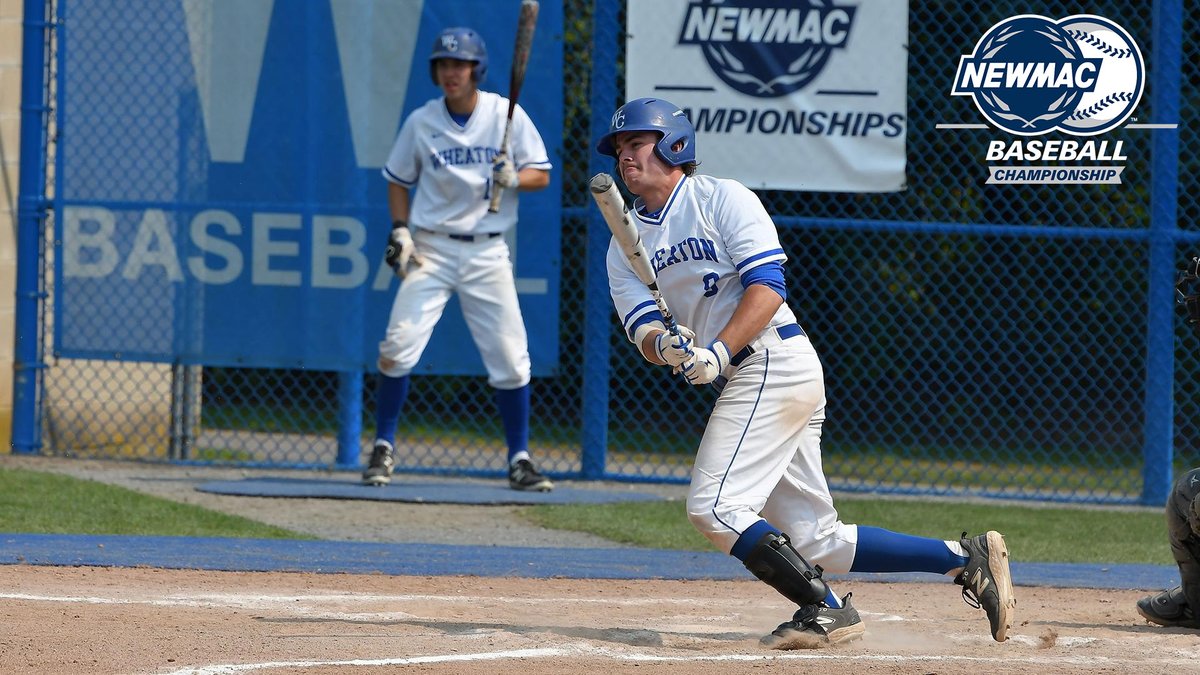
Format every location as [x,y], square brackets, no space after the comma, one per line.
[494,205]
[620,223]
[525,25]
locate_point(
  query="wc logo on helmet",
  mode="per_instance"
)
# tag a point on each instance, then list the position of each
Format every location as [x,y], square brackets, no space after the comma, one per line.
[767,48]
[1030,75]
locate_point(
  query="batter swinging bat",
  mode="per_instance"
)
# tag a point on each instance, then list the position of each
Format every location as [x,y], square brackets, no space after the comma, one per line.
[620,223]
[525,25]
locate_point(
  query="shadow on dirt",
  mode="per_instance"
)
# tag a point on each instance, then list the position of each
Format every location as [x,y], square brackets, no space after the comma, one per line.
[636,637]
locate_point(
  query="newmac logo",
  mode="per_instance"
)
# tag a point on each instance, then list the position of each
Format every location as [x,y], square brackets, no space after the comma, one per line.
[1029,75]
[767,48]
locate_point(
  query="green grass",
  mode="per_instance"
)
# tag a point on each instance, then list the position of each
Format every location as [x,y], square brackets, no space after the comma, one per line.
[1033,533]
[43,503]
[220,455]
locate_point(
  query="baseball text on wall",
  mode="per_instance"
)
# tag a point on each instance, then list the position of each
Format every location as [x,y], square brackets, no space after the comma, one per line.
[219,179]
[786,94]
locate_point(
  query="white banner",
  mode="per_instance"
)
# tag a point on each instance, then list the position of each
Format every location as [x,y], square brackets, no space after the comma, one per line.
[785,94]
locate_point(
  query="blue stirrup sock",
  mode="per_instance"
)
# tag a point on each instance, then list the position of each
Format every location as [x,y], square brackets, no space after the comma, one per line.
[745,544]
[881,550]
[390,393]
[514,414]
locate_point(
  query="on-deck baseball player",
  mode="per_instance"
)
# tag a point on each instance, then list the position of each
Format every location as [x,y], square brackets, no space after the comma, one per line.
[757,490]
[441,172]
[1180,606]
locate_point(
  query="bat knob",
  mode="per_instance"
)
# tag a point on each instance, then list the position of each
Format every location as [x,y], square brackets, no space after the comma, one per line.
[601,182]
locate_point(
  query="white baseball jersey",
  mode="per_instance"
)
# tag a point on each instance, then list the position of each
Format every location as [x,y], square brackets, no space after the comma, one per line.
[710,232]
[760,457]
[454,164]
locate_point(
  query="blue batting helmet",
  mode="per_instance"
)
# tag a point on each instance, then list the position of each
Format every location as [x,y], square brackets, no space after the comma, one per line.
[653,114]
[463,44]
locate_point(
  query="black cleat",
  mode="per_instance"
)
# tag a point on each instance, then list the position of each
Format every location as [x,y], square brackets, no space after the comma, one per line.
[523,476]
[1168,608]
[379,471]
[817,626]
[986,581]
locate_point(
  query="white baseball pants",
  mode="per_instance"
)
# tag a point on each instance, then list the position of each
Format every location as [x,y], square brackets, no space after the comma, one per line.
[760,458]
[481,272]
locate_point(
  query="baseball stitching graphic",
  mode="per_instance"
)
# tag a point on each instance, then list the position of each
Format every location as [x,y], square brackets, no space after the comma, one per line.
[1121,75]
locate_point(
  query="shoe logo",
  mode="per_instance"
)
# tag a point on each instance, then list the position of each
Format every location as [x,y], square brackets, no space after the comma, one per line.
[979,582]
[826,620]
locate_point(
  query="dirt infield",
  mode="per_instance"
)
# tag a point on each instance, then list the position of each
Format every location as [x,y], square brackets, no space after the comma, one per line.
[107,620]
[151,621]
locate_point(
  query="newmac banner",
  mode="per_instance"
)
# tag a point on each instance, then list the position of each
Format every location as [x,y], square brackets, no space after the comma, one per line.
[220,200]
[786,94]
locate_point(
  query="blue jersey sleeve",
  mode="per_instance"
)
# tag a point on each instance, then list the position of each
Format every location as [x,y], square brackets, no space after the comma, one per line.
[769,274]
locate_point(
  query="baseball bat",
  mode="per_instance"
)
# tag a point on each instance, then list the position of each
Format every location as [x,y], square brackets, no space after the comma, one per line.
[624,230]
[525,25]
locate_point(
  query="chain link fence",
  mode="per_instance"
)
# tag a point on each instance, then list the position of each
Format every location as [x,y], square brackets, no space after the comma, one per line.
[978,340]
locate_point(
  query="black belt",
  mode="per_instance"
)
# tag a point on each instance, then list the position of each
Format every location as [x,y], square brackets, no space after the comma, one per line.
[473,237]
[785,332]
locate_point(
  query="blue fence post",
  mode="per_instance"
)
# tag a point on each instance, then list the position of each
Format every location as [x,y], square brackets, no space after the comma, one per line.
[596,303]
[350,408]
[1158,450]
[27,356]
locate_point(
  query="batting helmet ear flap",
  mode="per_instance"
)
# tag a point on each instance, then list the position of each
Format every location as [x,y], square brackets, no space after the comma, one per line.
[463,44]
[654,114]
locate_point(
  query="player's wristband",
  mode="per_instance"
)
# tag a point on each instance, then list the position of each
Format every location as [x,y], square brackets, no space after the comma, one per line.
[640,333]
[721,350]
[399,223]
